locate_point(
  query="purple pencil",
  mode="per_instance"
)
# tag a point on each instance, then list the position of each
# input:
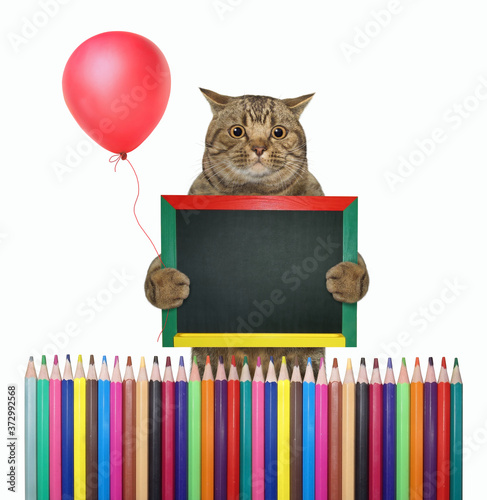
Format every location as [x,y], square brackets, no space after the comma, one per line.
[116,433]
[220,432]
[430,433]
[321,434]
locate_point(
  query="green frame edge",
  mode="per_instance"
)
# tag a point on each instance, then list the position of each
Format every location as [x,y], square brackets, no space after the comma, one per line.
[169,257]
[350,249]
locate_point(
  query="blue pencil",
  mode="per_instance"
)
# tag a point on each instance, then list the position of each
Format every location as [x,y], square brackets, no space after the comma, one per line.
[181,440]
[67,425]
[271,432]
[389,436]
[104,432]
[309,433]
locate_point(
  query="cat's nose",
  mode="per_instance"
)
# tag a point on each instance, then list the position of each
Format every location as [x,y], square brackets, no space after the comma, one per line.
[259,151]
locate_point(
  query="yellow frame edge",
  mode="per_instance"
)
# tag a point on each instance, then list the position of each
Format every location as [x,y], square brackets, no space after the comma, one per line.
[259,340]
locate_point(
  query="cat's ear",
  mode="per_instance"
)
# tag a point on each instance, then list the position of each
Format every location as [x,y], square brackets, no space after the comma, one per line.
[217,101]
[297,104]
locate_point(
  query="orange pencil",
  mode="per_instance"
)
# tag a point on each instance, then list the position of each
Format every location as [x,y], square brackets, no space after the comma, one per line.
[416,457]
[443,457]
[207,432]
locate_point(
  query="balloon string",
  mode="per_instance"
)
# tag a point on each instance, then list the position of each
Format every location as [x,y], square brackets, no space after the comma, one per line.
[115,159]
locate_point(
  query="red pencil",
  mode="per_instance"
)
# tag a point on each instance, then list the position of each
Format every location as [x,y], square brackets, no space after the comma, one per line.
[375,434]
[233,446]
[443,458]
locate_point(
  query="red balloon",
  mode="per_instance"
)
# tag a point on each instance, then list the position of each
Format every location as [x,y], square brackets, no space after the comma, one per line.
[117,85]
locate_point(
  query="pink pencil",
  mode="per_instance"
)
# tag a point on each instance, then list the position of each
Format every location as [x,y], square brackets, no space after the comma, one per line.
[116,411]
[55,432]
[258,467]
[321,434]
[168,429]
[375,434]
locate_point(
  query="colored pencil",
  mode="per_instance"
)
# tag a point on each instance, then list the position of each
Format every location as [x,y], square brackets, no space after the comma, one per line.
[403,420]
[270,415]
[91,432]
[194,433]
[296,433]
[55,417]
[258,433]
[168,430]
[348,434]
[181,433]
[116,429]
[43,432]
[67,431]
[79,432]
[245,432]
[30,387]
[283,432]
[155,437]
[309,399]
[142,434]
[207,432]
[129,440]
[104,432]
[221,422]
[335,434]
[375,434]
[443,459]
[389,434]
[321,434]
[233,433]
[430,433]
[456,426]
[416,458]
[362,434]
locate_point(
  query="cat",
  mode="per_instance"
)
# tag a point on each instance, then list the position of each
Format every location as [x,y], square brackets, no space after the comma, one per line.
[255,145]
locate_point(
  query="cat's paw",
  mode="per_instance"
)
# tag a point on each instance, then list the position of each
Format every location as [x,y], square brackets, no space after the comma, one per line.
[347,282]
[166,288]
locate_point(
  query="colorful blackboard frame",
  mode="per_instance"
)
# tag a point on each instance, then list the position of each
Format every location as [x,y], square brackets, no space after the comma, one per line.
[183,208]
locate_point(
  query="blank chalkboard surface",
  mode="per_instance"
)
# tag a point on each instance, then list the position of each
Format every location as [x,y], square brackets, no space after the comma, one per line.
[257,268]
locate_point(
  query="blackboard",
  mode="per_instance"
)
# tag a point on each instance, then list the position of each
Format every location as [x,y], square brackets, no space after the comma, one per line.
[257,268]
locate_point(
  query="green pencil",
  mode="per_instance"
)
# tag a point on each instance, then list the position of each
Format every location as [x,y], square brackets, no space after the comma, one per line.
[403,403]
[245,432]
[456,419]
[194,433]
[43,432]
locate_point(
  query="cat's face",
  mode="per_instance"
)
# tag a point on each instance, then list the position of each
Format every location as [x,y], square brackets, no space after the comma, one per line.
[255,143]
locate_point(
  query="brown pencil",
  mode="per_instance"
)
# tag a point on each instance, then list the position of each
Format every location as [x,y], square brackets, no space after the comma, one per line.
[335,434]
[128,433]
[91,432]
[296,433]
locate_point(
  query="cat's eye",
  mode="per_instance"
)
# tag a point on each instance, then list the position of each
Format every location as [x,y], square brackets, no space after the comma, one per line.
[279,132]
[237,131]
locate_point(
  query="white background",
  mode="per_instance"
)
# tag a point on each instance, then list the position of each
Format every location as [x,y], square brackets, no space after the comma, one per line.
[63,236]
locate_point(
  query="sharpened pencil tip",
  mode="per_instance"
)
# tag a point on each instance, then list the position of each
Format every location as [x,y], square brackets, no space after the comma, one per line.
[322,361]
[156,360]
[129,361]
[309,360]
[220,360]
[56,361]
[296,362]
[68,357]
[404,361]
[389,363]
[245,360]
[376,363]
[168,361]
[208,360]
[283,360]
[44,362]
[430,361]
[31,358]
[271,359]
[104,360]
[259,362]
[142,362]
[195,360]
[456,362]
[92,359]
[233,360]
[416,363]
[80,359]
[362,361]
[443,362]
[335,363]
[349,364]
[116,361]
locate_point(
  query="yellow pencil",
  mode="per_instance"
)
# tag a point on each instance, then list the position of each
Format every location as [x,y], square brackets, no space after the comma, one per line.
[142,434]
[79,432]
[283,430]
[348,434]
